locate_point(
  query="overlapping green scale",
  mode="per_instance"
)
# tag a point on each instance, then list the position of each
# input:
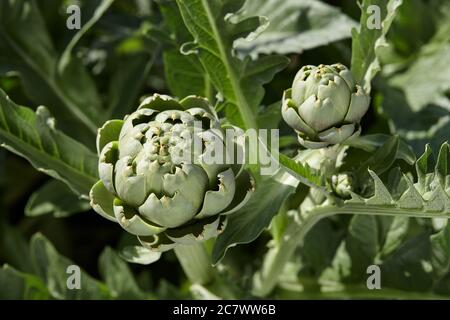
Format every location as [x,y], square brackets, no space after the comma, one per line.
[324,105]
[155,185]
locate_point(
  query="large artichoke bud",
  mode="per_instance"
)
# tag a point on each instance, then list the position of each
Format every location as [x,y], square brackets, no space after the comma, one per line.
[324,105]
[156,185]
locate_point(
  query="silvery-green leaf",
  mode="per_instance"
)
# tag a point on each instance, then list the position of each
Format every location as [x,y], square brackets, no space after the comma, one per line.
[239,81]
[56,198]
[367,41]
[294,26]
[52,268]
[34,136]
[118,276]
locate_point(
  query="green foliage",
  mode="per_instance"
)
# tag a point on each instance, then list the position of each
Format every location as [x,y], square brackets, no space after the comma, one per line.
[56,198]
[368,41]
[45,79]
[310,230]
[247,223]
[183,72]
[239,81]
[33,135]
[415,84]
[49,273]
[427,196]
[294,26]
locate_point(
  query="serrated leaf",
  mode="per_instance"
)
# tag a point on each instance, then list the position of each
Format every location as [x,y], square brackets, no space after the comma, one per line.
[368,41]
[436,200]
[371,142]
[303,173]
[294,26]
[382,196]
[424,164]
[411,198]
[239,81]
[425,198]
[183,76]
[34,137]
[400,263]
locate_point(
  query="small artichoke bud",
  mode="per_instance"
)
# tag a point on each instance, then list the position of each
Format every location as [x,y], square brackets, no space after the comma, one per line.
[155,185]
[342,184]
[324,105]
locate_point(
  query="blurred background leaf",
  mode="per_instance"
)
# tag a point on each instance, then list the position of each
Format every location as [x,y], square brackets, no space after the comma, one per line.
[55,198]
[294,26]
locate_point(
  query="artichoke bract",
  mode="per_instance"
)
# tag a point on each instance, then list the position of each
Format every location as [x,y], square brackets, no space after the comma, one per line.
[324,105]
[159,188]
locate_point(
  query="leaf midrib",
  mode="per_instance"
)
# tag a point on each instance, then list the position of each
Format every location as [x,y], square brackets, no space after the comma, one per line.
[72,107]
[42,155]
[242,103]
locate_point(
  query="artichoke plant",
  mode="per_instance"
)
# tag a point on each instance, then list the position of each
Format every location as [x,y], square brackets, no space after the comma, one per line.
[156,185]
[342,184]
[324,105]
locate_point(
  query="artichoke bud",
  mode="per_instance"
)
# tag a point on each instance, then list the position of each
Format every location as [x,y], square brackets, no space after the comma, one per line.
[153,180]
[342,184]
[324,105]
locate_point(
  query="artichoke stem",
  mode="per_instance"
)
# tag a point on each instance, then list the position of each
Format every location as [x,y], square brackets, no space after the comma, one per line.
[281,252]
[274,262]
[195,262]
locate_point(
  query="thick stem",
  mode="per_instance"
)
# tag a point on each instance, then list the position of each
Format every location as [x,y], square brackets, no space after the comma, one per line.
[294,235]
[274,262]
[195,262]
[326,160]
